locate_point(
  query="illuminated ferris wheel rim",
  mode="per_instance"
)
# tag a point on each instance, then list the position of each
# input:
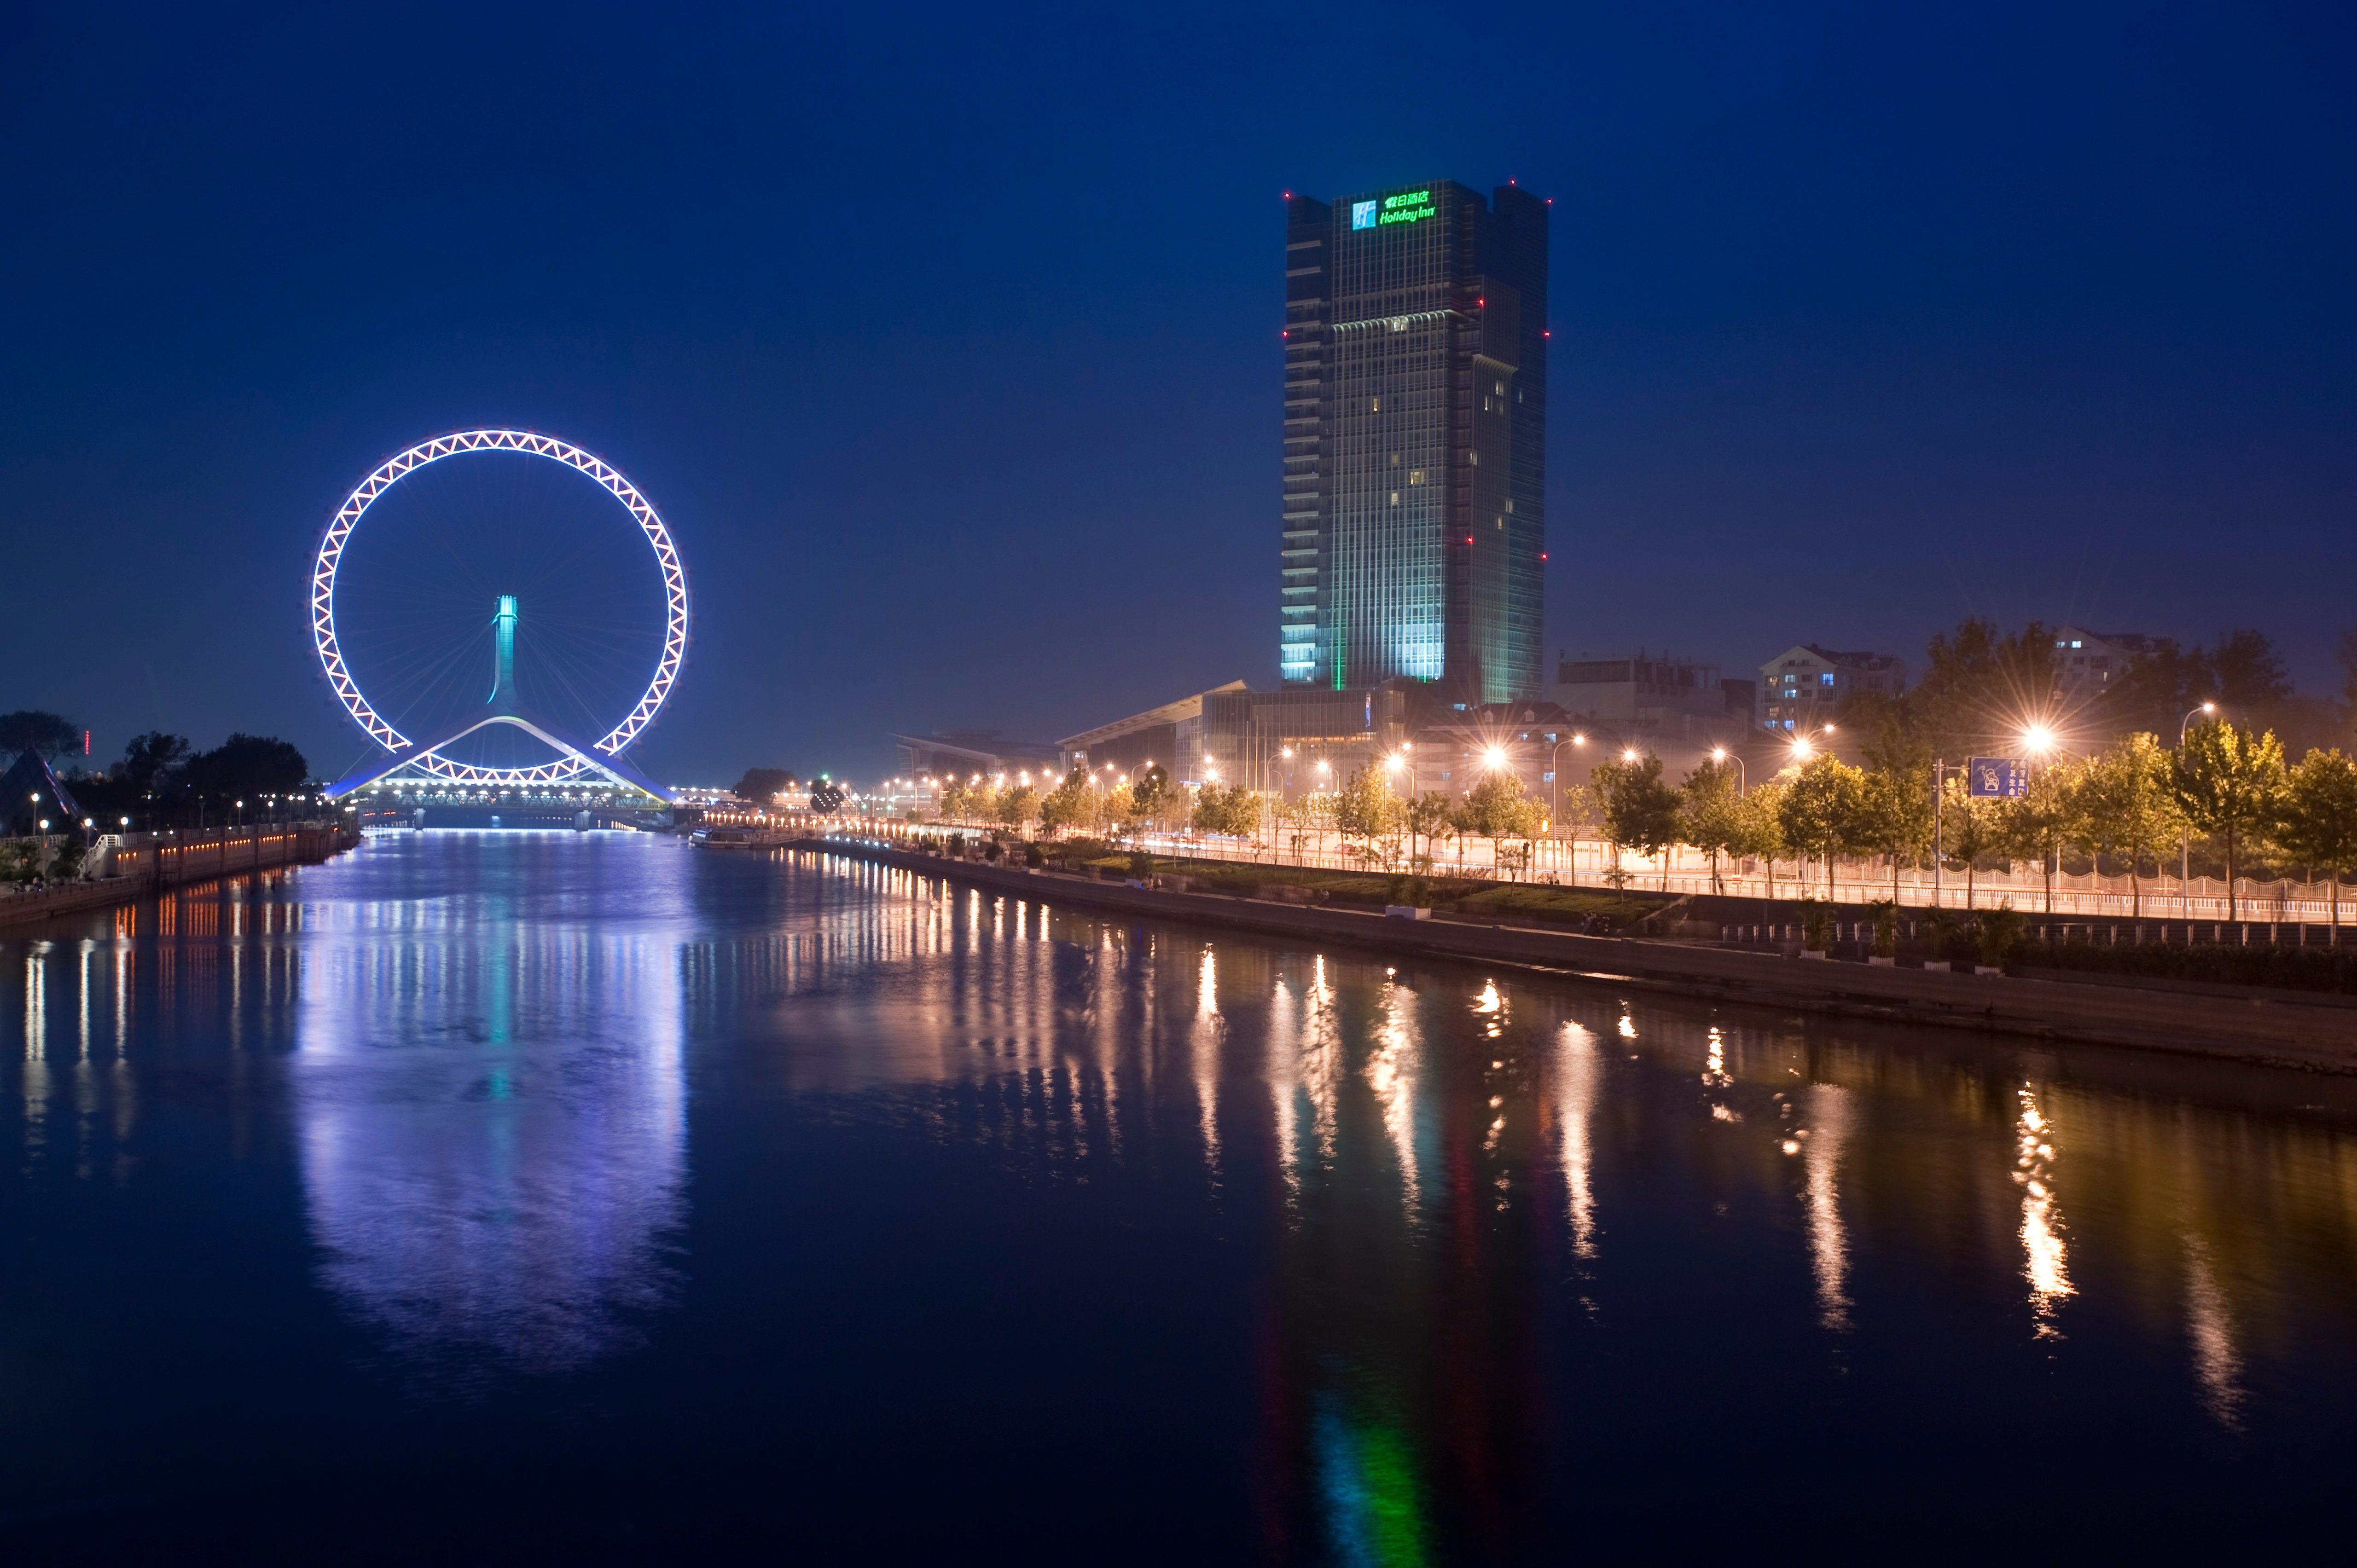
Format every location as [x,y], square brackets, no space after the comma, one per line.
[531,443]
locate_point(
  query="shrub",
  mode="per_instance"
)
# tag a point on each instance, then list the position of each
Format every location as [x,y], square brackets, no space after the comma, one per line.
[1141,864]
[2293,968]
[1034,856]
[1947,937]
[1816,925]
[1884,914]
[1997,933]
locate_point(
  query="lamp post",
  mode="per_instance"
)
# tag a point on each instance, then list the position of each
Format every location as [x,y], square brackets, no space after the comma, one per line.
[2185,843]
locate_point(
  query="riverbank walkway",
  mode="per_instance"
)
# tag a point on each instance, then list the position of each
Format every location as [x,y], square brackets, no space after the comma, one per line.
[2315,1032]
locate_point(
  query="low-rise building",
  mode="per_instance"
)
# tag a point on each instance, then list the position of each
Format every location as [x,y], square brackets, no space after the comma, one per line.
[1454,748]
[1802,688]
[972,753]
[1642,689]
[2086,663]
[1170,735]
[1302,739]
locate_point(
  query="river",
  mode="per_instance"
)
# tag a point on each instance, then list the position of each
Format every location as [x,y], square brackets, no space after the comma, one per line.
[588,1195]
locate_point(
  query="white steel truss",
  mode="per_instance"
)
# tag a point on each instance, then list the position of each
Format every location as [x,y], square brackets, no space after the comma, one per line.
[348,517]
[575,763]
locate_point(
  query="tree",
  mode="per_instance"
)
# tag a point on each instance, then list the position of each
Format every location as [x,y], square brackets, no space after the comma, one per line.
[245,766]
[2037,822]
[1638,810]
[763,785]
[2227,781]
[1365,809]
[2155,691]
[1018,808]
[1241,813]
[2244,671]
[1217,808]
[1423,818]
[2241,672]
[2126,808]
[1759,816]
[1821,809]
[1314,814]
[33,729]
[1149,790]
[1117,809]
[1711,815]
[1894,812]
[2316,819]
[1067,805]
[1969,829]
[152,759]
[1978,686]
[1496,809]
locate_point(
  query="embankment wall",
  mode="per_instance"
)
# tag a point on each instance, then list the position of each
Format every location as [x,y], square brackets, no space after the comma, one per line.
[2282,1029]
[153,866]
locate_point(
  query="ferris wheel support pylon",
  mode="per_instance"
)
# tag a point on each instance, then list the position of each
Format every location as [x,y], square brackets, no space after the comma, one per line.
[604,755]
[611,767]
[507,709]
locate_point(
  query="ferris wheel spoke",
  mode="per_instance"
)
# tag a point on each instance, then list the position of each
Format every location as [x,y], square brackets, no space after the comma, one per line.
[417,649]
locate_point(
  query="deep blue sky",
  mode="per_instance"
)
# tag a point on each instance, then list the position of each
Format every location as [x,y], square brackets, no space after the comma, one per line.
[947,339]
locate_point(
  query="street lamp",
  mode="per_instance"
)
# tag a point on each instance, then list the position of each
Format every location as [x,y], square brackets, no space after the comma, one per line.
[1721,756]
[2185,843]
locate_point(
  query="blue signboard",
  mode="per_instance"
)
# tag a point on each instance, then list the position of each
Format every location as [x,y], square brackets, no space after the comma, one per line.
[1362,215]
[1999,777]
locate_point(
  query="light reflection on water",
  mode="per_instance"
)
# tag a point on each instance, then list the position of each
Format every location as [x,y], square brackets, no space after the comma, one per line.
[493,1130]
[1479,1233]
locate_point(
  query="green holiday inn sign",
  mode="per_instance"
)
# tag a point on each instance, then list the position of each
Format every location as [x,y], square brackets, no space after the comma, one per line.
[1409,207]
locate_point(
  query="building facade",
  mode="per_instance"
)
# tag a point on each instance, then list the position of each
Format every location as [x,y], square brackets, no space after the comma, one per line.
[1413,527]
[1650,690]
[1302,739]
[2086,662]
[971,754]
[1170,735]
[1802,688]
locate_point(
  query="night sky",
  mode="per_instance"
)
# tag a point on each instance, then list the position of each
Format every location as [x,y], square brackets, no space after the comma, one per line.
[947,340]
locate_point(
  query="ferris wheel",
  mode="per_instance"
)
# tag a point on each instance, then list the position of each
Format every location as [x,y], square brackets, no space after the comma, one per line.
[475,541]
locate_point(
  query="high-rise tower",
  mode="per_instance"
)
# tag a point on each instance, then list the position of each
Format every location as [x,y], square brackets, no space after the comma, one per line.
[1414,526]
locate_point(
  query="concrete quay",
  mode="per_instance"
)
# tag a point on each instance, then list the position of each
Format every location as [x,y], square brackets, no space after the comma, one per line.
[2315,1033]
[160,863]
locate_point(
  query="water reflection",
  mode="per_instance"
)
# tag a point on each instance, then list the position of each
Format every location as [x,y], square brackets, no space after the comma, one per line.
[2047,1256]
[1578,1074]
[493,1133]
[1450,1244]
[2209,1324]
[1828,1129]
[491,1123]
